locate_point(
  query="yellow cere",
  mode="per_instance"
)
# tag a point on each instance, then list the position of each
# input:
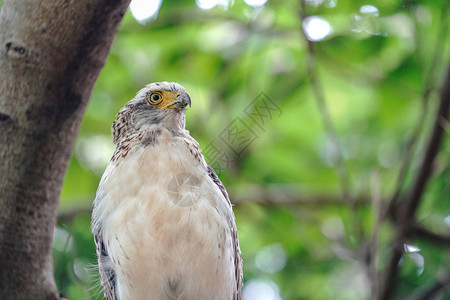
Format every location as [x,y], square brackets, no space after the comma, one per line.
[168,99]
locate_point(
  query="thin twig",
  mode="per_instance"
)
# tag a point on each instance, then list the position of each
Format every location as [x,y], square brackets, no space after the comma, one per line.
[67,216]
[317,89]
[374,241]
[407,216]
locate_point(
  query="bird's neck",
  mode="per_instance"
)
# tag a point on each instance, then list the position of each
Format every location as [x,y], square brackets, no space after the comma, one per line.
[175,123]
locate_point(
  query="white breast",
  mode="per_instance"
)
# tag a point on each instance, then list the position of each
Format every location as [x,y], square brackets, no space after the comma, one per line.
[166,224]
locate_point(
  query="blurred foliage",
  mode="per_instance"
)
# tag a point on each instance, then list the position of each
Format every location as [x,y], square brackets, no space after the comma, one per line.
[375,64]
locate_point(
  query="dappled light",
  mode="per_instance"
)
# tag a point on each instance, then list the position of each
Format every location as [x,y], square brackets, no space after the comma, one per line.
[209,4]
[260,289]
[94,152]
[369,10]
[316,28]
[221,36]
[144,10]
[447,221]
[255,3]
[270,259]
[411,248]
[367,20]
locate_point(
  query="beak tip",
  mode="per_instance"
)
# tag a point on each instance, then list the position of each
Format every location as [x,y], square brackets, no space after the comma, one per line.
[184,100]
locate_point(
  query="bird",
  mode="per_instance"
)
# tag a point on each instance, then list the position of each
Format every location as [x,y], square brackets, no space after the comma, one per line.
[162,220]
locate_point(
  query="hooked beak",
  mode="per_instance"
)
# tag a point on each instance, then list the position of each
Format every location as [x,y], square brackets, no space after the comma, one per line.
[183,100]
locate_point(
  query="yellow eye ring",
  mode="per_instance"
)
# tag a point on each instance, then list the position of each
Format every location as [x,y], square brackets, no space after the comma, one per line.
[155,98]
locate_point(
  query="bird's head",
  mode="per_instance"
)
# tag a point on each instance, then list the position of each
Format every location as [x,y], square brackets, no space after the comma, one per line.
[160,103]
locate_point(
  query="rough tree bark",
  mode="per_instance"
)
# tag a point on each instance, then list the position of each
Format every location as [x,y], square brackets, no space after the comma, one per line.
[51,53]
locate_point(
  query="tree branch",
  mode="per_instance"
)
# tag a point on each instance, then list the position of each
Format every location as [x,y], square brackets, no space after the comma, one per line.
[282,195]
[412,201]
[51,53]
[429,86]
[435,238]
[431,152]
[269,196]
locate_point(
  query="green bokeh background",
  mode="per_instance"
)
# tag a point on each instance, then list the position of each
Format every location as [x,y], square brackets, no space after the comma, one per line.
[297,233]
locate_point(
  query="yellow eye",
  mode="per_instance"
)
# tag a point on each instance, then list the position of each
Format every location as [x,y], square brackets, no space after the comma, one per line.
[154,98]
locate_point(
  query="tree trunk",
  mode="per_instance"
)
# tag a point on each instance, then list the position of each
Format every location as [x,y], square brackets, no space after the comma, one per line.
[51,53]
